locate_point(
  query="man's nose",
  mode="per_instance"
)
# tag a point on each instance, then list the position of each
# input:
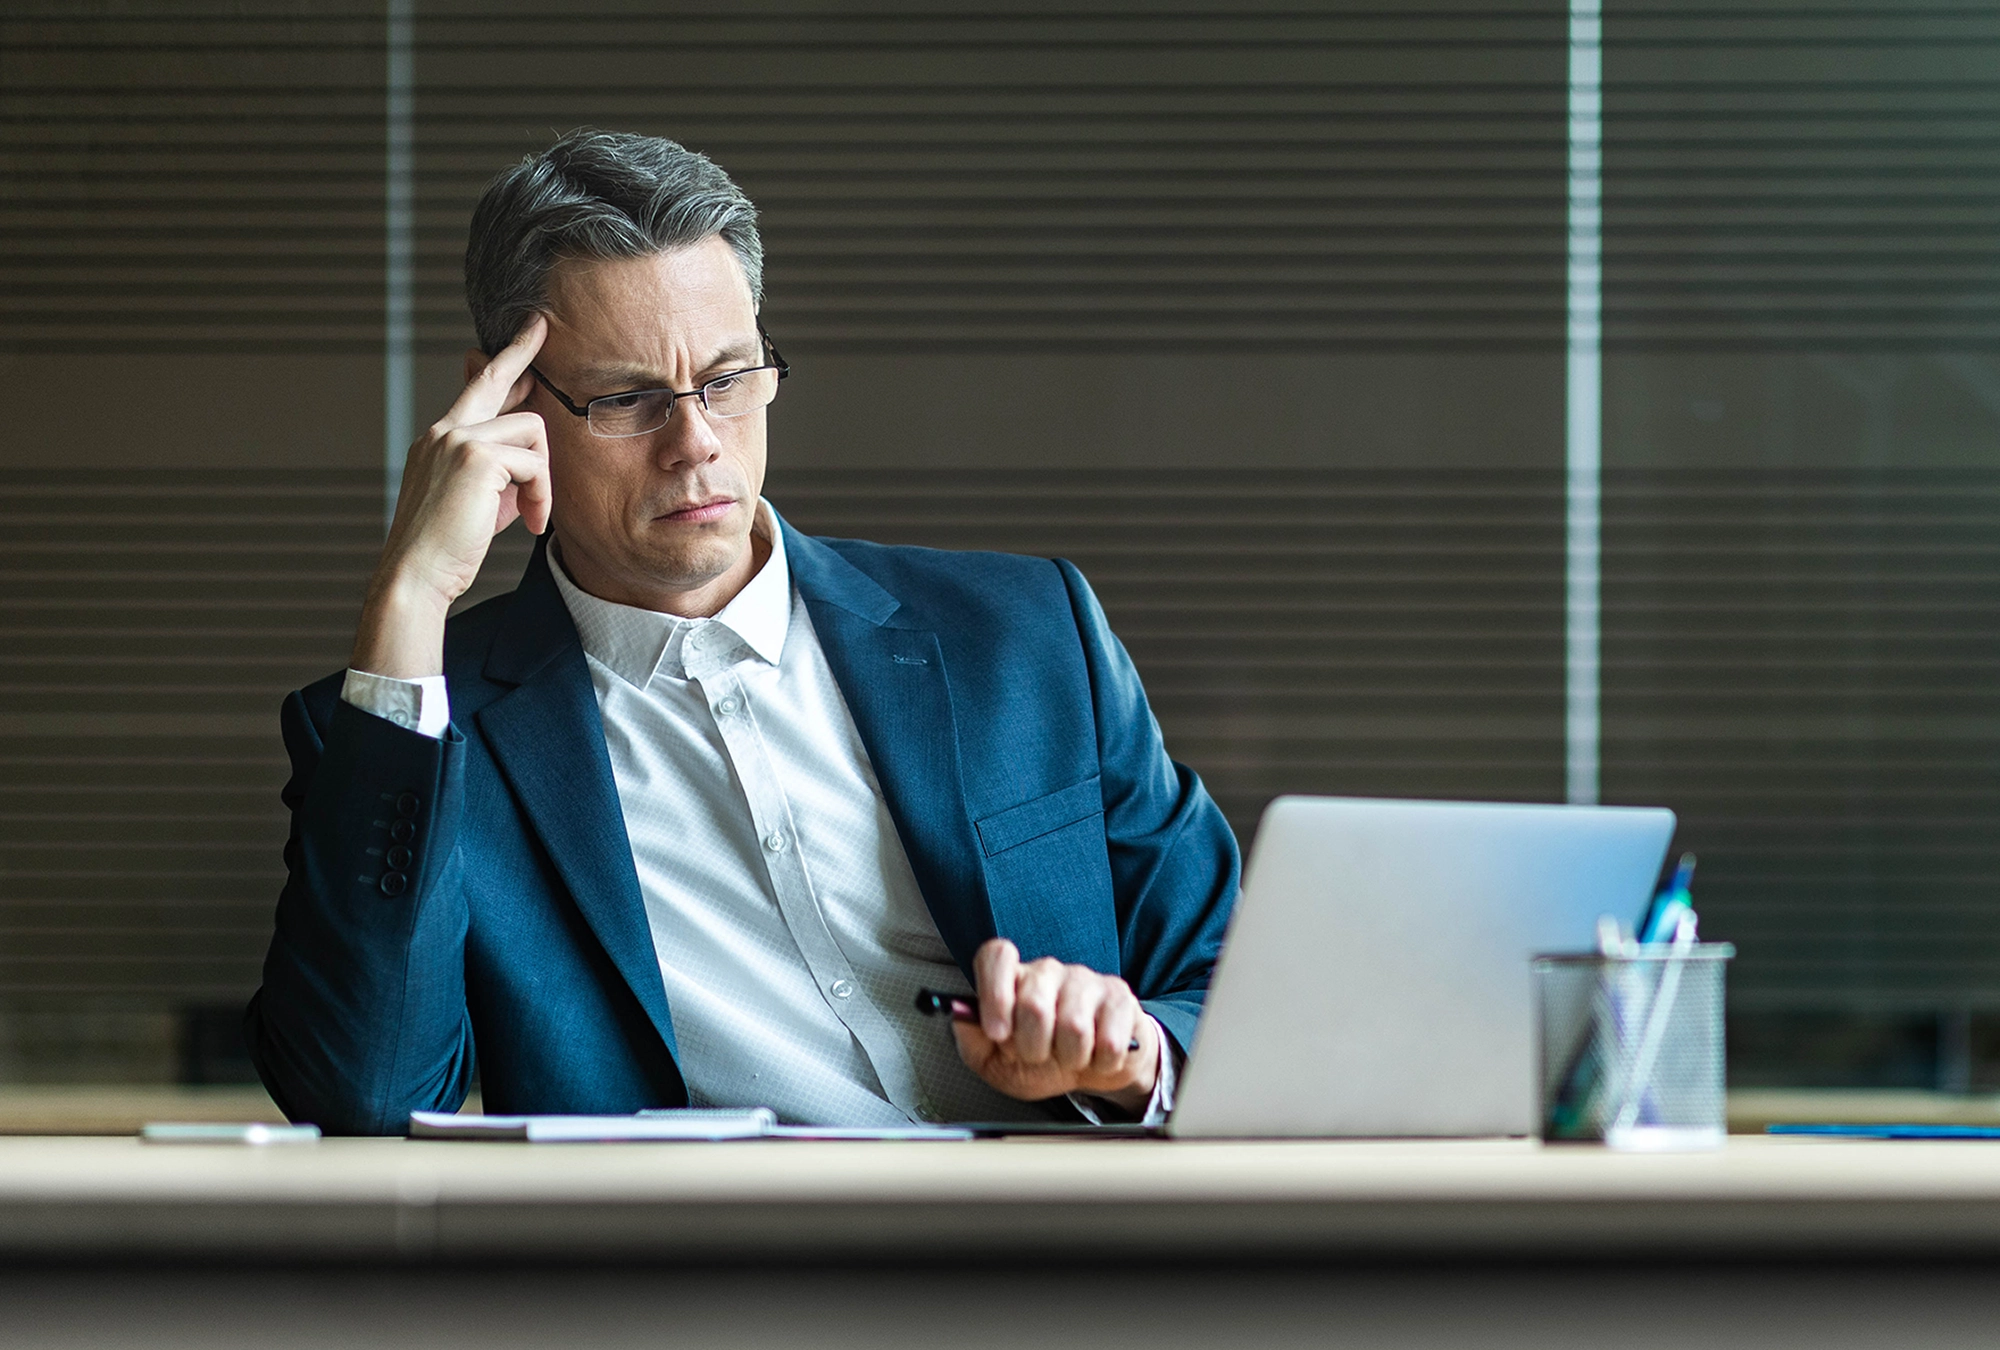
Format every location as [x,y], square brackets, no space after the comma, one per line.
[688,438]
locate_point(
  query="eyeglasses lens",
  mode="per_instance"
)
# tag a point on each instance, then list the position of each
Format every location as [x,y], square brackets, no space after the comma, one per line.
[636,414]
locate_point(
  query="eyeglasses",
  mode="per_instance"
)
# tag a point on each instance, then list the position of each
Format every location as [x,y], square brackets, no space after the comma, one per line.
[638,411]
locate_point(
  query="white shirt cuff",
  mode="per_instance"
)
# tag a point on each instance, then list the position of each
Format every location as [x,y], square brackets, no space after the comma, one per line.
[420,704]
[1165,1075]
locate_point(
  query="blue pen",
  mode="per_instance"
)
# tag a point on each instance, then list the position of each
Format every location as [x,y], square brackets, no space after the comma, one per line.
[1676,898]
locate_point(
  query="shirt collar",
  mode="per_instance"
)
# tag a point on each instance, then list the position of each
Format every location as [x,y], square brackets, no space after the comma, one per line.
[631,641]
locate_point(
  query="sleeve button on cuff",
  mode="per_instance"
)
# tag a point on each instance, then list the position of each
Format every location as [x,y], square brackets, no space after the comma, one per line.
[407,804]
[393,884]
[398,857]
[402,831]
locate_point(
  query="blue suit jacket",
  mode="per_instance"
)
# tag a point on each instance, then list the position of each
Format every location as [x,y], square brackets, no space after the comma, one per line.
[478,891]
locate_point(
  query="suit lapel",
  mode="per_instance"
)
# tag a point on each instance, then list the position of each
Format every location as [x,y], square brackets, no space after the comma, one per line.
[897,690]
[549,741]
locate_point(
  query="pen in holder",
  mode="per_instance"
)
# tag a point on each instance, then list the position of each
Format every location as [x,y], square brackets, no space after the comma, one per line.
[1632,1044]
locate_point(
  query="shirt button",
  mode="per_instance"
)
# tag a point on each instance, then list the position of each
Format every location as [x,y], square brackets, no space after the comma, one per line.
[775,842]
[400,718]
[926,1111]
[726,708]
[840,989]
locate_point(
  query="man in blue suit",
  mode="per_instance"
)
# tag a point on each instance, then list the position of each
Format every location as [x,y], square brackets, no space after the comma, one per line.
[691,815]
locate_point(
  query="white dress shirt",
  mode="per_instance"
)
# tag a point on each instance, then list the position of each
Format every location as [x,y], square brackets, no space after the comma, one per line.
[790,931]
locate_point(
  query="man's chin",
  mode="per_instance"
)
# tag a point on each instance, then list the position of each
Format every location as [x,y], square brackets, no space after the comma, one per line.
[690,564]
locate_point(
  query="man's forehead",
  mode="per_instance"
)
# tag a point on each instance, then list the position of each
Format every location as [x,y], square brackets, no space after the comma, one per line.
[686,303]
[644,319]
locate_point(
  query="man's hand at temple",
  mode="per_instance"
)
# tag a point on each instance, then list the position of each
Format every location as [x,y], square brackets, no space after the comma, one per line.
[1046,1029]
[477,470]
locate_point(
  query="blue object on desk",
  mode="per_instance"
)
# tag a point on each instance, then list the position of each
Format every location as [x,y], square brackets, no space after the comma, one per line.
[1890,1131]
[1663,916]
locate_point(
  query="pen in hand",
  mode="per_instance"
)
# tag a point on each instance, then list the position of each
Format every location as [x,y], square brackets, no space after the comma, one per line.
[963,1008]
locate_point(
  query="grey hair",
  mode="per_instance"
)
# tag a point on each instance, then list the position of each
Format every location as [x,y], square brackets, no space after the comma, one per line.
[596,194]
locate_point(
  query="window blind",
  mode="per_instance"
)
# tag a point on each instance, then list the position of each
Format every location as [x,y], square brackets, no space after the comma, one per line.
[1802,412]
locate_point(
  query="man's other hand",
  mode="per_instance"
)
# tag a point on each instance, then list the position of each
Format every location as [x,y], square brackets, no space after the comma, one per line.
[477,470]
[1046,1028]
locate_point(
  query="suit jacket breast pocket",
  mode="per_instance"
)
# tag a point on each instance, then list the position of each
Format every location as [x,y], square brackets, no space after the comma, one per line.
[1049,876]
[1022,824]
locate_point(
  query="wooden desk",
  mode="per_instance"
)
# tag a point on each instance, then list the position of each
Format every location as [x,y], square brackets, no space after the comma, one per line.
[401,1200]
[108,1243]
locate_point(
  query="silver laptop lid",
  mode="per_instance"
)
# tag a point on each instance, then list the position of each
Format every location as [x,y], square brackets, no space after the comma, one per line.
[1375,980]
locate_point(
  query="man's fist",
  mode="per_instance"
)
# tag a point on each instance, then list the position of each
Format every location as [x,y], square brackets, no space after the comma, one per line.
[1046,1028]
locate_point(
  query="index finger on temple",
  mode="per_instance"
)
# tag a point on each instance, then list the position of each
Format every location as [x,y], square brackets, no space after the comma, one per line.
[486,395]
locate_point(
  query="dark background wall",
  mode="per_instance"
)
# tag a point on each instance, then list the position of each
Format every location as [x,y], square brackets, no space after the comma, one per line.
[1256,315]
[1802,510]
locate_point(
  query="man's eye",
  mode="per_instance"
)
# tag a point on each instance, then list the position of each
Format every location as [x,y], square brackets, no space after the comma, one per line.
[724,384]
[620,402]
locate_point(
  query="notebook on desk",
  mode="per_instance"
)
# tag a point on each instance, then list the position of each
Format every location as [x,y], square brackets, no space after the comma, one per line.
[1375,980]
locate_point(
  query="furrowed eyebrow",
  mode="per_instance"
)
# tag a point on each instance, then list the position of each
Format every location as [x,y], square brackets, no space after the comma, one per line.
[736,353]
[638,377]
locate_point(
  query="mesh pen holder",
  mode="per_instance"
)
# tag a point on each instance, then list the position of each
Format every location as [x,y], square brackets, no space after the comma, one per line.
[1632,1047]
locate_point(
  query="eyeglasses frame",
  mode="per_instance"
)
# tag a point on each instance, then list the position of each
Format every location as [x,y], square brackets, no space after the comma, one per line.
[700,391]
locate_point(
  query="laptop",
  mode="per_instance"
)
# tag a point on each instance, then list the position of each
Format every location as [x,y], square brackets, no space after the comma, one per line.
[1375,981]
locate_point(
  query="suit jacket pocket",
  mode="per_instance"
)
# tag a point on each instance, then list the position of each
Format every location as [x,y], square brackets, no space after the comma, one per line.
[1044,815]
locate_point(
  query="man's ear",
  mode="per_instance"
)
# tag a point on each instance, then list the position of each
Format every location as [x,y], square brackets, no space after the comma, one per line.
[475,361]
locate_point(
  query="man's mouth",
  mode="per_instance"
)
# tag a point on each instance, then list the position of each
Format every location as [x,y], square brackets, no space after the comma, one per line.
[699,513]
